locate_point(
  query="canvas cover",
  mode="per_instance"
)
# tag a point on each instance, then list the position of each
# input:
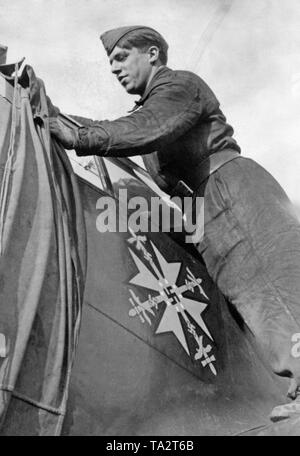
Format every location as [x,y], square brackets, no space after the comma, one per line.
[42,263]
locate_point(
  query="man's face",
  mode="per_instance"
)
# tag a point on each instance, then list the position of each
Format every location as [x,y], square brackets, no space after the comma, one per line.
[132,68]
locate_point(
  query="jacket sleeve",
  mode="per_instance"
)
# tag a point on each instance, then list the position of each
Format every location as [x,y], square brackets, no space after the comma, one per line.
[85,121]
[171,110]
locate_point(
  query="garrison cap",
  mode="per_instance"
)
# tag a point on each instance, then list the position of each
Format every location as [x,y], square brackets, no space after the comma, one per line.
[111,38]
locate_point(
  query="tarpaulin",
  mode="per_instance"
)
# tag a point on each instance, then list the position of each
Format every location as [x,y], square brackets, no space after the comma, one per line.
[42,263]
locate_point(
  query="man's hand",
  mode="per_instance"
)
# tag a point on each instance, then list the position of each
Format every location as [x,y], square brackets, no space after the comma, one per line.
[66,136]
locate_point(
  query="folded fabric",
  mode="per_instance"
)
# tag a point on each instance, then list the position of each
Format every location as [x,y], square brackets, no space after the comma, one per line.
[42,265]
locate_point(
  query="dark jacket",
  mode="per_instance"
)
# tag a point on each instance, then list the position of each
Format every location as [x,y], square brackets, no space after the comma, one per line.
[178,118]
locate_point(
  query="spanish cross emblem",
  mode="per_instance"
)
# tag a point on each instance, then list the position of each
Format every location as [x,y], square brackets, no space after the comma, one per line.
[167,291]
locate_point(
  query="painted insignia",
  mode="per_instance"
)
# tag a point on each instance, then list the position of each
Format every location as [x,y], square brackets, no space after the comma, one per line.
[179,310]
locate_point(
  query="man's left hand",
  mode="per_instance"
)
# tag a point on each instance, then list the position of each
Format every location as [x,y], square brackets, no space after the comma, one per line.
[66,136]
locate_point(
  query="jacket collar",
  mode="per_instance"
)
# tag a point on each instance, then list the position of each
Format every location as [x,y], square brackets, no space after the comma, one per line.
[161,72]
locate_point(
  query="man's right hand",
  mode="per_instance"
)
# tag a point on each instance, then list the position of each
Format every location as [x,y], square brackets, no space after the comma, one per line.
[68,137]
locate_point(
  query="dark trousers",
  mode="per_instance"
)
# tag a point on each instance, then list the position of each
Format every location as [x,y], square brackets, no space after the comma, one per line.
[251,247]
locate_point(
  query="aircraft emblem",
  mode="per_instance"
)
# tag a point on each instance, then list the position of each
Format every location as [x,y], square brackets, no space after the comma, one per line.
[179,310]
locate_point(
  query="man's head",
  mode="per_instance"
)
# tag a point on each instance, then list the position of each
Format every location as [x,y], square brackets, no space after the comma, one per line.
[134,54]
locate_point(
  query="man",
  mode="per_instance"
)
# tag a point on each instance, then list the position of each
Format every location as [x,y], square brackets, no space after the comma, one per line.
[251,234]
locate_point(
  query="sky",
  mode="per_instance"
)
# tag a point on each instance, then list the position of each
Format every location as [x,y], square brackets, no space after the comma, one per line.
[248,51]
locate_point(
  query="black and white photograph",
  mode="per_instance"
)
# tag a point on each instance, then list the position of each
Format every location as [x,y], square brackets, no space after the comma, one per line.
[149,220]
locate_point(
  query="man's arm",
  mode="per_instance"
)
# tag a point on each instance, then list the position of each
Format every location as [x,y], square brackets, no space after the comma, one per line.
[171,110]
[85,121]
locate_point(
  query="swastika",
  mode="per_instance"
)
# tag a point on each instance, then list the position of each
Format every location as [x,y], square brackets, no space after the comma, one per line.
[172,296]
